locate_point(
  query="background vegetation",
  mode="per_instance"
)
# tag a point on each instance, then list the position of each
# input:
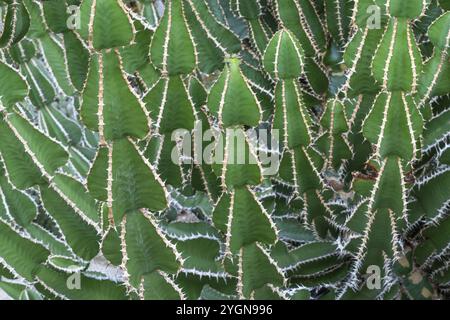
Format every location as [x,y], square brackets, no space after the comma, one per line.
[92,207]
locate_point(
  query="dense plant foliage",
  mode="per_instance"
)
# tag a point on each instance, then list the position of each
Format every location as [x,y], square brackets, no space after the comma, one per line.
[98,97]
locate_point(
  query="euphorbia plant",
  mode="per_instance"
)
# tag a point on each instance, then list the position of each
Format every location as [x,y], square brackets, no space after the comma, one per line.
[133,164]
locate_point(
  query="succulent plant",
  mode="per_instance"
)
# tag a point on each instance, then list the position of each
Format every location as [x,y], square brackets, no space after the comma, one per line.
[224,149]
